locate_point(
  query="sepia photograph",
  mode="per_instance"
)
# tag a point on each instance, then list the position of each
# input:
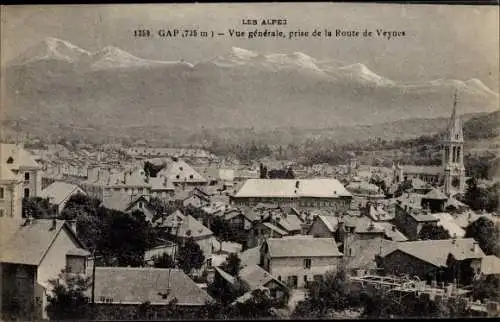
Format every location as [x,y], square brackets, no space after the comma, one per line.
[249,161]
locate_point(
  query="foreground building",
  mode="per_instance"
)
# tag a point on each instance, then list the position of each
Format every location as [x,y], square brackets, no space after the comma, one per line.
[32,253]
[120,291]
[303,193]
[298,260]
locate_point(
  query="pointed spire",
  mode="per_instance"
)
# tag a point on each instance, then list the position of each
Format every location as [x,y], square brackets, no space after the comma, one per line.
[454,127]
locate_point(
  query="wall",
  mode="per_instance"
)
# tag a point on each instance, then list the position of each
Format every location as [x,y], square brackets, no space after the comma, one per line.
[18,287]
[12,201]
[397,263]
[289,266]
[34,184]
[55,259]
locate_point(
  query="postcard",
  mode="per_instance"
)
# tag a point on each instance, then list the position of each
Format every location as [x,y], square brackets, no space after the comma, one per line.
[249,161]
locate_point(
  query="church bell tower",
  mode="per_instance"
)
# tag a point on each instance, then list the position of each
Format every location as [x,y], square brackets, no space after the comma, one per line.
[453,154]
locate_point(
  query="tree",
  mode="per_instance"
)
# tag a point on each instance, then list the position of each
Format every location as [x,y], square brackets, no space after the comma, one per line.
[433,232]
[125,237]
[67,299]
[483,230]
[152,169]
[190,256]
[232,264]
[38,208]
[487,288]
[163,261]
[332,292]
[482,198]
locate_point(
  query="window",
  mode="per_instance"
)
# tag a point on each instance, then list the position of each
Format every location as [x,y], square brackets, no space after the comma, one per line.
[26,192]
[307,263]
[209,262]
[2,193]
[26,176]
[2,212]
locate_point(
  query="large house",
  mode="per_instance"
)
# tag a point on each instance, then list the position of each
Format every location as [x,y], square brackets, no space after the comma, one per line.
[180,228]
[103,183]
[182,174]
[297,260]
[306,193]
[15,158]
[124,289]
[443,260]
[31,253]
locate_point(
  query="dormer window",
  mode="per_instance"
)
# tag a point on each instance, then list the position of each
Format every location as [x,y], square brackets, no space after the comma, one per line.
[26,176]
[10,160]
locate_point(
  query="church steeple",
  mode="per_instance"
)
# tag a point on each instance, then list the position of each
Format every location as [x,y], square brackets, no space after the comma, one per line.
[455,132]
[453,153]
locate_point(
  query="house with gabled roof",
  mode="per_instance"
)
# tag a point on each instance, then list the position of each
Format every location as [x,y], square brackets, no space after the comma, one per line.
[180,228]
[181,173]
[60,192]
[23,163]
[298,260]
[125,289]
[443,260]
[30,255]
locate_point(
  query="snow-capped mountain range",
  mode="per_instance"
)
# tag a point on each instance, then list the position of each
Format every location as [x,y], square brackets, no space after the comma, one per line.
[56,79]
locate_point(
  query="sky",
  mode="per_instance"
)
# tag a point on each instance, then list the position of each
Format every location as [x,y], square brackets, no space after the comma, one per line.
[442,41]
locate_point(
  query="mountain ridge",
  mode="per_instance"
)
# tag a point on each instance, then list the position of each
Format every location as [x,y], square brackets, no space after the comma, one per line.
[250,89]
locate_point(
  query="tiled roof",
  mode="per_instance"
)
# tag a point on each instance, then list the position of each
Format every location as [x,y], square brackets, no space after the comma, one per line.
[435,194]
[7,175]
[189,227]
[255,276]
[19,156]
[436,252]
[290,222]
[330,222]
[160,184]
[364,251]
[136,285]
[180,171]
[490,265]
[326,188]
[250,256]
[29,244]
[391,231]
[275,228]
[59,191]
[303,246]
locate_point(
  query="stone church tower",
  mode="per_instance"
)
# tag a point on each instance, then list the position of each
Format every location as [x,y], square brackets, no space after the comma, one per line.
[453,155]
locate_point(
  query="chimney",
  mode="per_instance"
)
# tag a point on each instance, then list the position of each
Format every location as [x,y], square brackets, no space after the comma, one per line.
[475,247]
[54,224]
[393,228]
